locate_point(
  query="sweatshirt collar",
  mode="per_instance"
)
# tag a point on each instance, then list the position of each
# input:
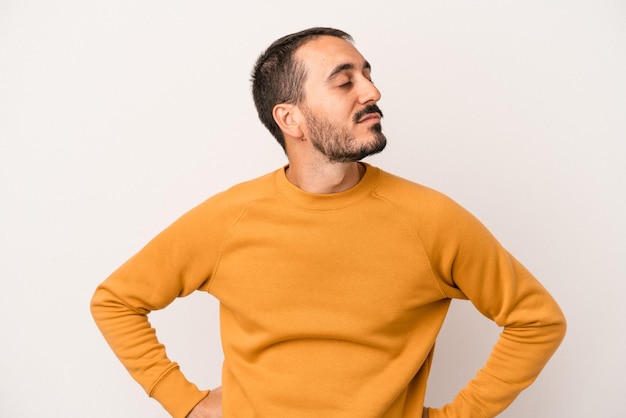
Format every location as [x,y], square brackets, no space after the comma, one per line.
[327,201]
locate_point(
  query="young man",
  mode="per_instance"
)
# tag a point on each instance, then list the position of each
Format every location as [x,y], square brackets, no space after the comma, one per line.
[333,276]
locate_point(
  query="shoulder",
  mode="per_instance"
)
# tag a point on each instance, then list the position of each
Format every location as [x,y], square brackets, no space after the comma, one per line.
[426,209]
[242,194]
[225,207]
[407,193]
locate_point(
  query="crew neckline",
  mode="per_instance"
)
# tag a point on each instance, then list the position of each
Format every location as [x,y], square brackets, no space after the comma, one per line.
[327,201]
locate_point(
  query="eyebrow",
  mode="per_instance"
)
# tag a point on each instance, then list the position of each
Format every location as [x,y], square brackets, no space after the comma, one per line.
[347,66]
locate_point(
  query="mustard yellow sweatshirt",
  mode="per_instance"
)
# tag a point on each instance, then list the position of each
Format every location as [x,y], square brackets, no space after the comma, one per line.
[330,304]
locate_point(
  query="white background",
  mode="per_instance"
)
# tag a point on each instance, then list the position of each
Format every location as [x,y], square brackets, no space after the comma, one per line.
[116,117]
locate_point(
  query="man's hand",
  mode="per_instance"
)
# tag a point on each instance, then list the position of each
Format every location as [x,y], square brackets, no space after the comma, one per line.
[209,407]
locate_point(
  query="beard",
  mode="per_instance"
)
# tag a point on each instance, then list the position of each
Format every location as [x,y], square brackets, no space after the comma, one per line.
[336,142]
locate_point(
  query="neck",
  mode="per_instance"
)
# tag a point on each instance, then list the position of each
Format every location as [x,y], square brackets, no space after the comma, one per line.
[325,178]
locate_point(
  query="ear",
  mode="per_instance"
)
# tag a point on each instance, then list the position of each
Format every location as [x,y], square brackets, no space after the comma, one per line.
[288,118]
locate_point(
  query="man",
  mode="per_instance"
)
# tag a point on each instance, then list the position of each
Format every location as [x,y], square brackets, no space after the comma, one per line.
[333,276]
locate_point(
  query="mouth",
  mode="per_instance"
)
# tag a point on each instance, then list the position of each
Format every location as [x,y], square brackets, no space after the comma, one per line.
[370,117]
[371,113]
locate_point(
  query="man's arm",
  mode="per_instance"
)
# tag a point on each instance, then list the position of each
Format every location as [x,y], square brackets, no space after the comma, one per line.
[133,340]
[175,263]
[533,328]
[471,264]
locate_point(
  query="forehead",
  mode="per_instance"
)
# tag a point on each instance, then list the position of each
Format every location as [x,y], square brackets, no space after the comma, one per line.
[321,55]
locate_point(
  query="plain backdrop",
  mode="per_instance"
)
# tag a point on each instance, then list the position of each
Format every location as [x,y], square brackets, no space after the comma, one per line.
[116,117]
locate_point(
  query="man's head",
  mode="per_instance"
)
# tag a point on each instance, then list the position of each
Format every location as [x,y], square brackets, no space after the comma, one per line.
[319,74]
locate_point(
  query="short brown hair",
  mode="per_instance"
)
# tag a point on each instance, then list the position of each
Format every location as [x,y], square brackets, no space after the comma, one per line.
[279,78]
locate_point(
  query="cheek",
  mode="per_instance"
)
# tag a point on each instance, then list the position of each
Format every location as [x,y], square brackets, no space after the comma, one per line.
[331,107]
[340,116]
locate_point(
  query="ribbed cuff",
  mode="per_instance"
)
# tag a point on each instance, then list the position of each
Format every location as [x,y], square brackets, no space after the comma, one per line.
[176,394]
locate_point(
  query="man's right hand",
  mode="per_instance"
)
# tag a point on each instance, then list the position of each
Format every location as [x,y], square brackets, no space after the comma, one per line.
[209,407]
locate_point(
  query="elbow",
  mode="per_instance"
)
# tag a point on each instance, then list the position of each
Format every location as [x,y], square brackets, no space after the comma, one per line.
[556,326]
[561,326]
[104,305]
[95,304]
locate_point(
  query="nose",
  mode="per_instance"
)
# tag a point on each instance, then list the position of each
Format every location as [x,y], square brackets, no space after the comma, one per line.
[368,92]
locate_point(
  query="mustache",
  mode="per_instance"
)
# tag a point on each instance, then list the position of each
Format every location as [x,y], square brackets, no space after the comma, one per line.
[366,111]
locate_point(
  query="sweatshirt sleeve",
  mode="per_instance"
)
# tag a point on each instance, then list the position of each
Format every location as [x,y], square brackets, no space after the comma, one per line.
[473,265]
[174,264]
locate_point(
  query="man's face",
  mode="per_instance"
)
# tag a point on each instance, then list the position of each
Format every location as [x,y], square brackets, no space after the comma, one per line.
[341,115]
